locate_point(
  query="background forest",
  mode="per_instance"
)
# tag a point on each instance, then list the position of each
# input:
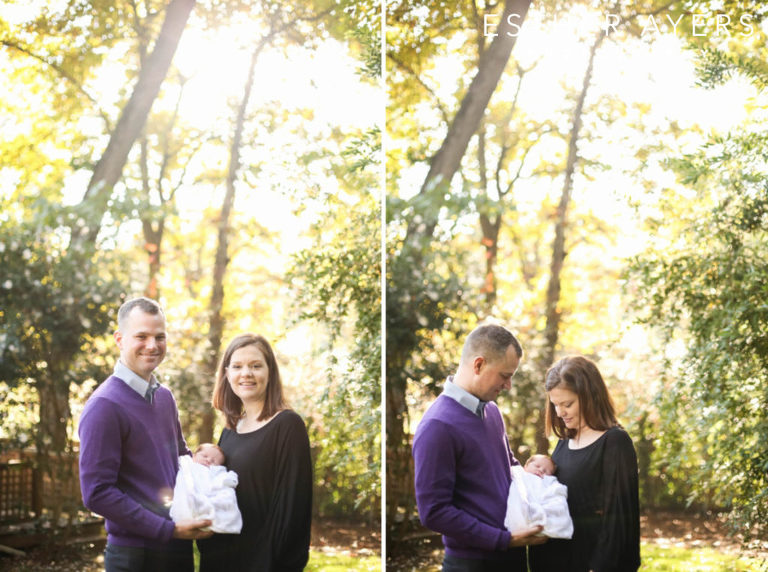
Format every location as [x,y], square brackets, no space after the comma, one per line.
[601,191]
[220,157]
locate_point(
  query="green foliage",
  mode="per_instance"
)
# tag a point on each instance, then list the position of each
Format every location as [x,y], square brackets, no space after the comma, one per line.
[365,151]
[20,416]
[55,304]
[361,23]
[425,289]
[707,293]
[716,67]
[338,284]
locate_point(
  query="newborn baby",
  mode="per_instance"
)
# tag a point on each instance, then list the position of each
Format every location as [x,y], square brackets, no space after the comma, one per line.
[205,489]
[536,498]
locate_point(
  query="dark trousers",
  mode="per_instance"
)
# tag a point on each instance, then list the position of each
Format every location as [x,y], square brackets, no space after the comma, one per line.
[135,559]
[454,564]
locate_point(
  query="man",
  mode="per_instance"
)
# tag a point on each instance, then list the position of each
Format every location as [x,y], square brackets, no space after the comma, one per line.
[130,442]
[463,461]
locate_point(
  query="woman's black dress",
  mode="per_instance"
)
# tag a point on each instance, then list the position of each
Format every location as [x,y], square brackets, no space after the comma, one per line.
[603,502]
[274,494]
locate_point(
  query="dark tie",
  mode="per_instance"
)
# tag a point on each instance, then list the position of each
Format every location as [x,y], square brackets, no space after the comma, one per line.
[150,394]
[480,411]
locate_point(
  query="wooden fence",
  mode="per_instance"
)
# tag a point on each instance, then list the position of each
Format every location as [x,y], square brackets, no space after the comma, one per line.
[21,495]
[32,488]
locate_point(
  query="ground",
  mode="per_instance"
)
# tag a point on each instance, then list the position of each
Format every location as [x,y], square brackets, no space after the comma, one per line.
[328,536]
[424,550]
[420,551]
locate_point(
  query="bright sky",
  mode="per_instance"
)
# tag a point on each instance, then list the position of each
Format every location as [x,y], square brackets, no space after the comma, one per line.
[324,79]
[655,71]
[324,83]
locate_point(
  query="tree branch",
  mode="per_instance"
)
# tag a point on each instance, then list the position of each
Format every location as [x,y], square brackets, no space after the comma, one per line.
[61,72]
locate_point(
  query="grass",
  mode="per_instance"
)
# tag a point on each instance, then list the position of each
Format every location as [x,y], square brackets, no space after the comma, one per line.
[658,558]
[322,562]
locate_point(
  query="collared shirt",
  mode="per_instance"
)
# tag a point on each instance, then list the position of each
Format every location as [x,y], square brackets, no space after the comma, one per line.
[464,397]
[133,380]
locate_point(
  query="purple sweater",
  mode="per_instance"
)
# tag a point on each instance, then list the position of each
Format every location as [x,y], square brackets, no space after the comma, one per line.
[462,466]
[129,452]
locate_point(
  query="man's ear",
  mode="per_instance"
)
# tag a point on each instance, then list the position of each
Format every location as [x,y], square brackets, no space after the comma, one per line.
[118,338]
[477,364]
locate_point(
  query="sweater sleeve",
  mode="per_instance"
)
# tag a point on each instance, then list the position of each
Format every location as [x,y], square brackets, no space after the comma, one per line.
[435,480]
[292,505]
[618,545]
[181,442]
[100,454]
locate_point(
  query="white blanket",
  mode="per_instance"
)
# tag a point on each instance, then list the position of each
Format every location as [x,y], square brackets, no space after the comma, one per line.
[538,501]
[206,493]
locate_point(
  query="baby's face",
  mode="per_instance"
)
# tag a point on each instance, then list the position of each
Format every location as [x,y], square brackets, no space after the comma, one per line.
[540,466]
[208,456]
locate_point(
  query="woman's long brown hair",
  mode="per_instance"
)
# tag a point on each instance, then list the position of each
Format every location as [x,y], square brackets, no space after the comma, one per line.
[581,376]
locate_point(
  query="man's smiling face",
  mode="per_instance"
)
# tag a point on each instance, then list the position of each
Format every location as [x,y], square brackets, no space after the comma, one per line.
[142,342]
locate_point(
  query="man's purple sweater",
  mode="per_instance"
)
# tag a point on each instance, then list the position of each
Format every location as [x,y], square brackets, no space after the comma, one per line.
[462,478]
[129,457]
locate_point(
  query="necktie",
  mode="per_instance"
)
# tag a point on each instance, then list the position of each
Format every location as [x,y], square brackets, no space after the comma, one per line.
[480,411]
[150,393]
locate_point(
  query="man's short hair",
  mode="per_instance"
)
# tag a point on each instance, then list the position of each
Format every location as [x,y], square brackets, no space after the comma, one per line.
[146,305]
[490,341]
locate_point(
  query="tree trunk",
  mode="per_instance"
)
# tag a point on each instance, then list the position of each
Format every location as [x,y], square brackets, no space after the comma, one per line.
[134,115]
[216,319]
[552,327]
[443,166]
[153,239]
[491,226]
[153,233]
[153,229]
[52,455]
[491,229]
[399,473]
[54,412]
[446,161]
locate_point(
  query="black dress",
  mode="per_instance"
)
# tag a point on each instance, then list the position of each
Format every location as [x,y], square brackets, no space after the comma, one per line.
[274,494]
[603,502]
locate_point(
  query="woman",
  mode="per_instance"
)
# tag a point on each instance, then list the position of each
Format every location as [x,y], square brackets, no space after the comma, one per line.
[596,460]
[266,444]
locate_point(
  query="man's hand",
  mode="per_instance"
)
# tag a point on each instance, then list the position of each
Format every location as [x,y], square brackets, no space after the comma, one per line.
[192,529]
[527,537]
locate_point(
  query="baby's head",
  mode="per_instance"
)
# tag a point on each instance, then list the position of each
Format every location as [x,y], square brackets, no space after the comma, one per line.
[540,465]
[209,455]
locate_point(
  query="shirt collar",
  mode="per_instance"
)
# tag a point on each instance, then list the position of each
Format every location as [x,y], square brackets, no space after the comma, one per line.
[132,379]
[464,397]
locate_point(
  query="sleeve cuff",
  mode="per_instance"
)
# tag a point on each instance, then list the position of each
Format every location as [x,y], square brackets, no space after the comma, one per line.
[166,532]
[502,543]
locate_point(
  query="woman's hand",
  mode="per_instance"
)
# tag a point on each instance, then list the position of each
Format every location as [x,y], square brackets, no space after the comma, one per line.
[527,537]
